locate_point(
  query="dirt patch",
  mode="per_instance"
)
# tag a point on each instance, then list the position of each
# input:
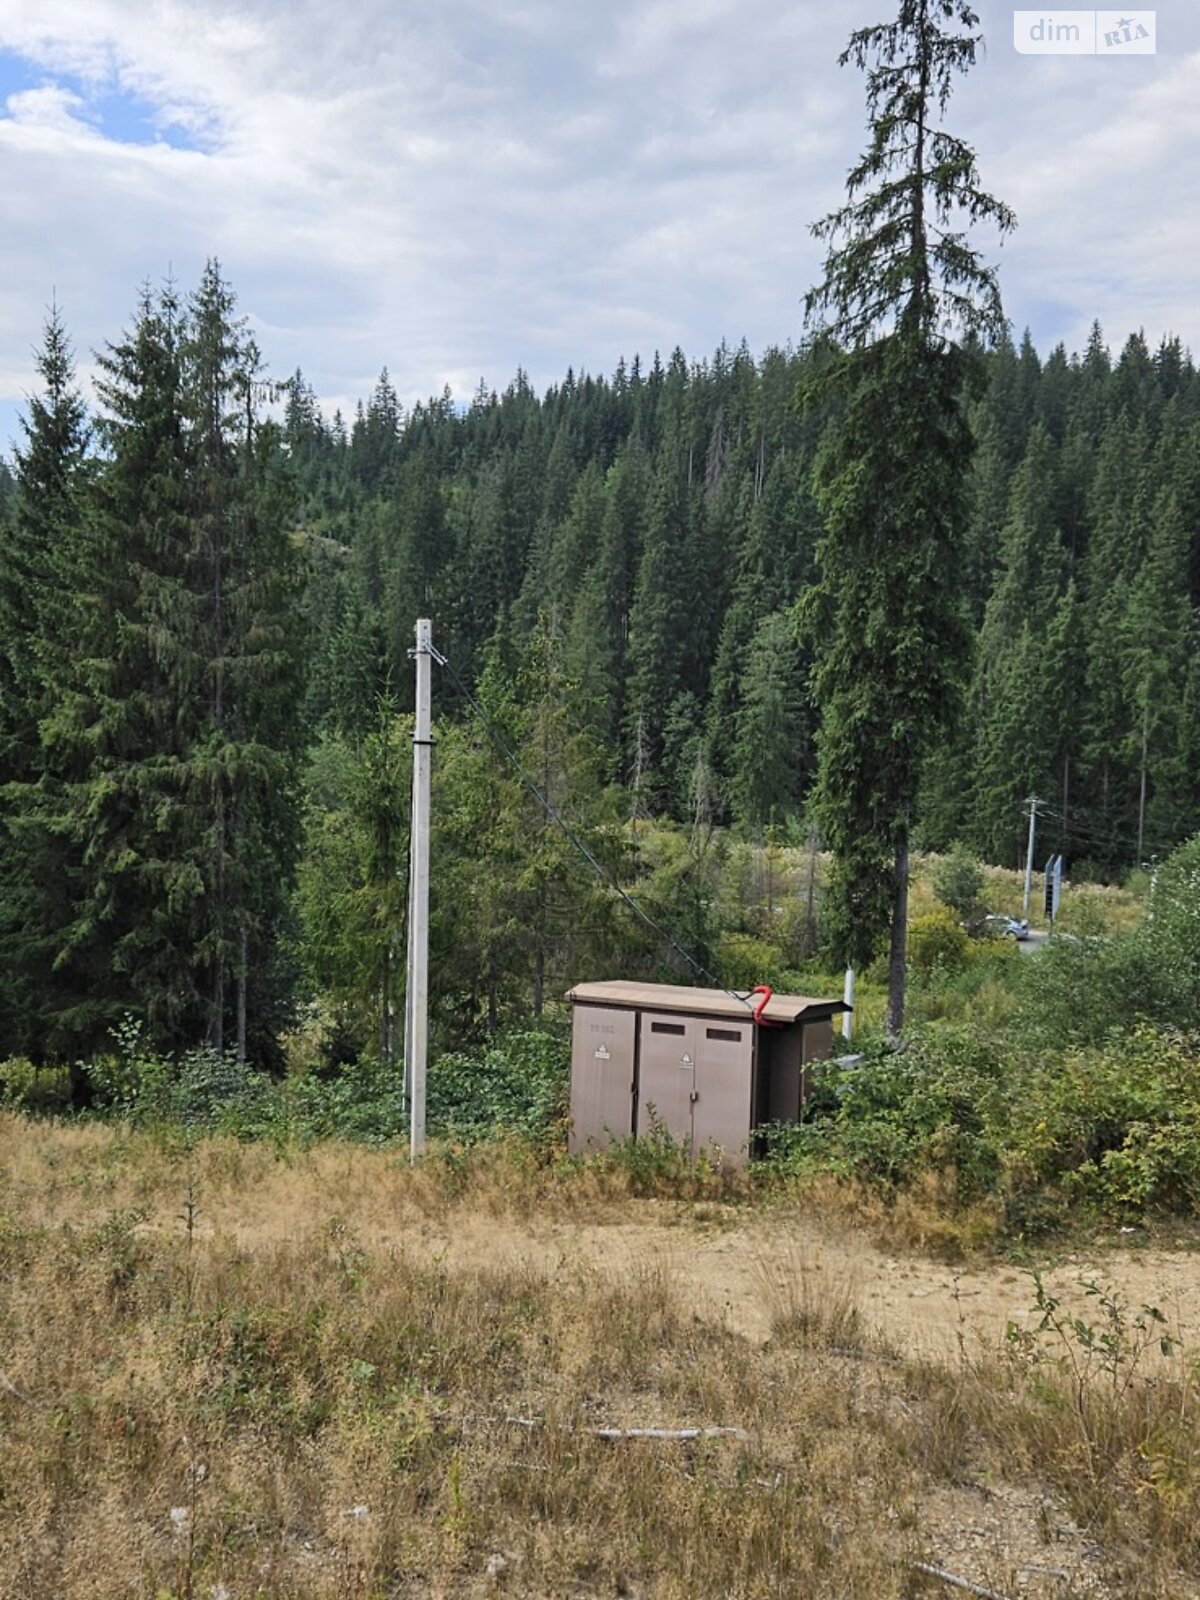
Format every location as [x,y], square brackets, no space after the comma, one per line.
[744,1274]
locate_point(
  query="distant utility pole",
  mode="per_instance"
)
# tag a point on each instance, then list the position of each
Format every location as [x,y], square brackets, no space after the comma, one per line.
[416,1011]
[1033,805]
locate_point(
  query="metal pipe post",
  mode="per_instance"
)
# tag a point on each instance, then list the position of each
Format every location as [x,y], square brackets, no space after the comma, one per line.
[417,998]
[848,1014]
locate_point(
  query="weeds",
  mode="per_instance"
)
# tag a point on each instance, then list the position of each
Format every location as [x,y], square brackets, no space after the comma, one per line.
[1094,1375]
[1098,1401]
[813,1306]
[328,1418]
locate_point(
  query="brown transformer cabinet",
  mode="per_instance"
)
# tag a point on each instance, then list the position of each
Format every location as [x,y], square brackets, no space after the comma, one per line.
[691,1061]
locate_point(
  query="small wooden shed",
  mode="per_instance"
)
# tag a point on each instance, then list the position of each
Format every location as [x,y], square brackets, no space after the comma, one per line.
[697,1062]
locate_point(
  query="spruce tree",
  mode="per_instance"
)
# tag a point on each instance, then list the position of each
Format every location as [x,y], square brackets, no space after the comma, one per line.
[1063,663]
[906,298]
[600,625]
[660,620]
[352,884]
[1158,642]
[1120,511]
[1017,724]
[36,616]
[239,775]
[116,730]
[173,727]
[772,743]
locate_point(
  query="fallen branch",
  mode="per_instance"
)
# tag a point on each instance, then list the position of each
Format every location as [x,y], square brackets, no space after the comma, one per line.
[958,1583]
[675,1435]
[671,1435]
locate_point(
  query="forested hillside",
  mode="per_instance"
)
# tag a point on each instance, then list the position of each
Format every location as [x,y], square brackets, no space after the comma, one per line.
[659,527]
[207,594]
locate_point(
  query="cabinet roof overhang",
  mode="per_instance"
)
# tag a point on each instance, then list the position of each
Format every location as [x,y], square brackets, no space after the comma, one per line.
[781,1008]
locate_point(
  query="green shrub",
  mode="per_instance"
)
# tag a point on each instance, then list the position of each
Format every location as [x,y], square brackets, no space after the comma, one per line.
[1080,991]
[981,994]
[519,1084]
[1114,1131]
[933,1105]
[364,1102]
[1116,1128]
[957,881]
[744,961]
[132,1081]
[203,1089]
[1086,987]
[937,941]
[39,1091]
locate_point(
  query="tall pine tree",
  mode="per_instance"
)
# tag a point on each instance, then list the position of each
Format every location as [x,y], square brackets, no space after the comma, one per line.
[903,291]
[41,523]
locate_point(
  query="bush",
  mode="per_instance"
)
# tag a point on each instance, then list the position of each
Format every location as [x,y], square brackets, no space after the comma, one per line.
[519,1084]
[39,1091]
[203,1089]
[133,1080]
[744,961]
[1079,991]
[1171,931]
[936,940]
[957,881]
[1117,1129]
[931,1106]
[983,993]
[365,1102]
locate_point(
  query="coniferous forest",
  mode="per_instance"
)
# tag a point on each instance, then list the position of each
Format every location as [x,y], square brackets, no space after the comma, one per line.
[207,596]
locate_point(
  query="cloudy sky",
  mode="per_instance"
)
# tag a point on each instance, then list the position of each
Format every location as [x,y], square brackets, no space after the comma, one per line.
[458,187]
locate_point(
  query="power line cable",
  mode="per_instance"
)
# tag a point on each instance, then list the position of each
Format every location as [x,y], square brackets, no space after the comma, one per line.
[569,833]
[1101,835]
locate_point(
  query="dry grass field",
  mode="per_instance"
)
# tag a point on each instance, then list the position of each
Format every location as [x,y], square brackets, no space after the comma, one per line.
[227,1371]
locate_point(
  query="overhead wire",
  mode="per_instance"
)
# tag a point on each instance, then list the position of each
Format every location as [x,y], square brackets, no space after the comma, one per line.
[1089,833]
[573,838]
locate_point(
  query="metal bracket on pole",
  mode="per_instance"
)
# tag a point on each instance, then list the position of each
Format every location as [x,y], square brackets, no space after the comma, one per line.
[416,1033]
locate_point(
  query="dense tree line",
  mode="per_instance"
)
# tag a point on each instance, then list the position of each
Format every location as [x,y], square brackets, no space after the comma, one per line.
[661,526]
[207,593]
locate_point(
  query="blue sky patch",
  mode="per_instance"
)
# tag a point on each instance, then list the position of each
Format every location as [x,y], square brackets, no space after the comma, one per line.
[118,114]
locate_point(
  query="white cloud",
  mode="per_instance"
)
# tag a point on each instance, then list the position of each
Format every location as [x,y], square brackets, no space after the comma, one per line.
[456,187]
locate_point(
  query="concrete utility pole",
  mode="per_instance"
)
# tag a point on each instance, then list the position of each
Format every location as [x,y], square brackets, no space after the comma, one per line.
[1033,805]
[416,1041]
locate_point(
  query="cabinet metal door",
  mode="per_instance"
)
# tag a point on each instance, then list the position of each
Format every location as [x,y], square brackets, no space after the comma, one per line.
[666,1074]
[601,1077]
[721,1113]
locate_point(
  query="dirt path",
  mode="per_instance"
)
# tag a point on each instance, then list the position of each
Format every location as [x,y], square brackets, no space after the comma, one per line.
[746,1269]
[747,1274]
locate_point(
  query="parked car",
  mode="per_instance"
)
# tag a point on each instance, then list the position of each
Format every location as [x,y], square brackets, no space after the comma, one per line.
[1001,927]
